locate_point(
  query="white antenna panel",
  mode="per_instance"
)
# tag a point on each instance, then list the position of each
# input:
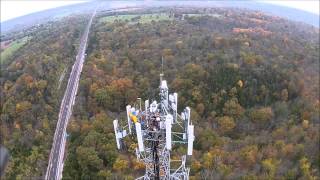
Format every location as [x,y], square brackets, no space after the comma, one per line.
[183,116]
[171,98]
[184,136]
[146,105]
[115,125]
[175,95]
[169,120]
[190,139]
[123,134]
[153,106]
[188,114]
[128,118]
[139,137]
[175,106]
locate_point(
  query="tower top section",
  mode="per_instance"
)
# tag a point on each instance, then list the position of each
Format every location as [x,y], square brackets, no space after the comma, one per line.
[161,77]
[164,84]
[157,129]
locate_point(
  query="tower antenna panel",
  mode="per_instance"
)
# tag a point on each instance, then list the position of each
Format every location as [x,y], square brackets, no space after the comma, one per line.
[128,117]
[139,137]
[146,105]
[175,106]
[188,112]
[115,125]
[168,122]
[153,107]
[190,139]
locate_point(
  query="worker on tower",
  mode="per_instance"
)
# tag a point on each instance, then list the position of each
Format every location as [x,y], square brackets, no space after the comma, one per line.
[133,116]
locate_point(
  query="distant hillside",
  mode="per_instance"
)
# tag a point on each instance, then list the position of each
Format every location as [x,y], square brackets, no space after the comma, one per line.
[290,13]
[52,14]
[285,12]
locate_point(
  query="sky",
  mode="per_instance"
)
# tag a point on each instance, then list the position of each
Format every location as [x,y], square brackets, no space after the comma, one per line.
[306,5]
[15,8]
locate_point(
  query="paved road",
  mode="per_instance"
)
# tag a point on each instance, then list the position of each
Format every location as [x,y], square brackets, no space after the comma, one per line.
[55,165]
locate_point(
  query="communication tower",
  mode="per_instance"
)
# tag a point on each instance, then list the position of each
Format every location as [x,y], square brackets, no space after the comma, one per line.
[157,128]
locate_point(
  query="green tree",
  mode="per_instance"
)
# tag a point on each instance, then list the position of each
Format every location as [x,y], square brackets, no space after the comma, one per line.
[233,109]
[88,159]
[261,115]
[270,165]
[305,168]
[226,124]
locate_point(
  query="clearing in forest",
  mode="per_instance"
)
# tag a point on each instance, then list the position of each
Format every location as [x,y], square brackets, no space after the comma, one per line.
[137,18]
[12,48]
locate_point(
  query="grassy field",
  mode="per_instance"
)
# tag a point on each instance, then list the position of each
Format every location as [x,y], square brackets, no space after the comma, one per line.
[135,18]
[199,15]
[13,47]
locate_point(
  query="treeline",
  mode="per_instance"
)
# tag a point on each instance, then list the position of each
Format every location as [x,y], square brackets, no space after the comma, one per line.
[31,90]
[247,77]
